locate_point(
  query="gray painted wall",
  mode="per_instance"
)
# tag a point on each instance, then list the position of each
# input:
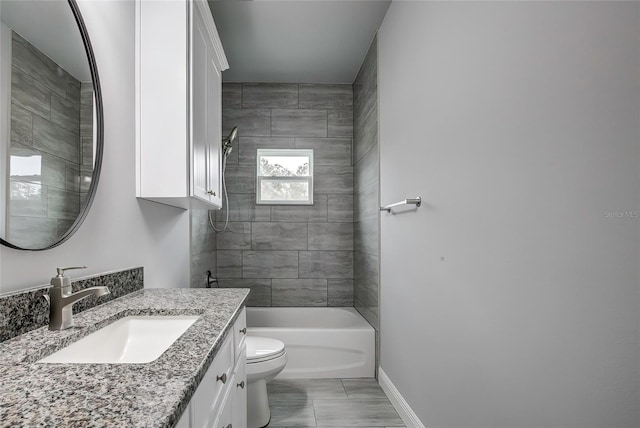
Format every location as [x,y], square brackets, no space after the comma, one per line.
[289,255]
[119,231]
[510,299]
[366,237]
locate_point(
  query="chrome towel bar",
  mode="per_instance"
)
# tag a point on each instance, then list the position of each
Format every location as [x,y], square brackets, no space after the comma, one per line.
[417,201]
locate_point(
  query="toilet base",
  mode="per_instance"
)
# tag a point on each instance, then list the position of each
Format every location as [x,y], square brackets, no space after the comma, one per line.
[258,412]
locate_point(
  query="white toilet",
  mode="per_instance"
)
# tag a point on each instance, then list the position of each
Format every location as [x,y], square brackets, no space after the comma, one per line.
[265,359]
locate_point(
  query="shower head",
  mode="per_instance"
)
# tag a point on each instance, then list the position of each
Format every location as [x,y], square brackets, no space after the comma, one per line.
[231,137]
[226,142]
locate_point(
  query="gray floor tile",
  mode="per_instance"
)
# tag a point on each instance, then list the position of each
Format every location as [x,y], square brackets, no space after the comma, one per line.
[360,413]
[292,414]
[310,388]
[330,403]
[363,388]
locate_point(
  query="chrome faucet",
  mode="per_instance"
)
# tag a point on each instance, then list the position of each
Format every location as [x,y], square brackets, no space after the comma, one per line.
[61,299]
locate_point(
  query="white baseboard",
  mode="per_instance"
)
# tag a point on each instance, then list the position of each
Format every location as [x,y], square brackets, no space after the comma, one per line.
[402,407]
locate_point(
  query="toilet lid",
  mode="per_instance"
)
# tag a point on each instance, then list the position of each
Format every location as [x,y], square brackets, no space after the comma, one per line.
[263,349]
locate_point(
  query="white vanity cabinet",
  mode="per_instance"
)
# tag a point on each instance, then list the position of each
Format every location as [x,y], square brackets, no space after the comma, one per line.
[239,408]
[179,64]
[220,401]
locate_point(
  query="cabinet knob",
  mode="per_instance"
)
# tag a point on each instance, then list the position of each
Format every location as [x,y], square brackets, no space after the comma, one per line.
[241,385]
[211,192]
[222,378]
[243,330]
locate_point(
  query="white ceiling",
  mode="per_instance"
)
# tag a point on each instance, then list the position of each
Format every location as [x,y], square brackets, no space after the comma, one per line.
[51,27]
[303,41]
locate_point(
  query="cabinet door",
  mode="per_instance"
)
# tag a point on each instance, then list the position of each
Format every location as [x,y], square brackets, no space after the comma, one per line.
[225,415]
[185,419]
[239,408]
[215,384]
[200,114]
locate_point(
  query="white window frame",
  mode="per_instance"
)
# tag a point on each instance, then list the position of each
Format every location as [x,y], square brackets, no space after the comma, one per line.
[306,179]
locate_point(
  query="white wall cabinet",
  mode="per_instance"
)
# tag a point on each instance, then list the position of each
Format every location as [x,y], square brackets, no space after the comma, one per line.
[179,64]
[220,401]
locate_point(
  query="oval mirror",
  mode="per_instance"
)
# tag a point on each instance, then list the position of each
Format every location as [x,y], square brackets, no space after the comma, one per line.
[50,123]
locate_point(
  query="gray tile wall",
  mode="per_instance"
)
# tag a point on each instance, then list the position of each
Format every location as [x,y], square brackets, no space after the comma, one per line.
[289,255]
[203,247]
[366,190]
[45,122]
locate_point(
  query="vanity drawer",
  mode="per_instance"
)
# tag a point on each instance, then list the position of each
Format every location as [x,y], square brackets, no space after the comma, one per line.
[239,333]
[208,396]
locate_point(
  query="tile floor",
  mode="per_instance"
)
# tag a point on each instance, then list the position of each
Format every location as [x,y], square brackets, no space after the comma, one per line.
[330,403]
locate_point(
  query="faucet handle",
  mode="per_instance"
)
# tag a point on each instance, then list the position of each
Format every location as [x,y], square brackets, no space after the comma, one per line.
[62,270]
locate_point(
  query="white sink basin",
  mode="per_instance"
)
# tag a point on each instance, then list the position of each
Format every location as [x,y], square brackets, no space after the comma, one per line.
[136,339]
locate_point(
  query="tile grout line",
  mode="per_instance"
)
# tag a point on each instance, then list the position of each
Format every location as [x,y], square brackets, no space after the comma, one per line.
[344,388]
[313,407]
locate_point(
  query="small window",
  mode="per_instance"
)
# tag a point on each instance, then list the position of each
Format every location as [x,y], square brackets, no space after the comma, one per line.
[284,177]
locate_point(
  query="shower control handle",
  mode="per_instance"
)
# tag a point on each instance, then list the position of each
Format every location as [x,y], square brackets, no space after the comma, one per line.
[222,378]
[243,330]
[241,385]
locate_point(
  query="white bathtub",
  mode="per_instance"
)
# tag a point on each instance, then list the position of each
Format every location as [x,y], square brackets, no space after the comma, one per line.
[320,342]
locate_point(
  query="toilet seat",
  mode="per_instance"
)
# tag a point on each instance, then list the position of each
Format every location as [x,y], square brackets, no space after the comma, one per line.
[261,349]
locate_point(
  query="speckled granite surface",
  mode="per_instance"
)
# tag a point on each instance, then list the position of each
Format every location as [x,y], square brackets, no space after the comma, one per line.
[25,311]
[116,395]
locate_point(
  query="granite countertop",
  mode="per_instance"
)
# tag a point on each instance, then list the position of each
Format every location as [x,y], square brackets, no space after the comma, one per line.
[105,395]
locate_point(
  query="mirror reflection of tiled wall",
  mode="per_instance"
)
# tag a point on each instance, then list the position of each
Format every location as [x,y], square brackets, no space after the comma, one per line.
[48,123]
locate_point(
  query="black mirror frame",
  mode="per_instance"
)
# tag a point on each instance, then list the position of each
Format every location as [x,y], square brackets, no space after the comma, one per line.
[99,136]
